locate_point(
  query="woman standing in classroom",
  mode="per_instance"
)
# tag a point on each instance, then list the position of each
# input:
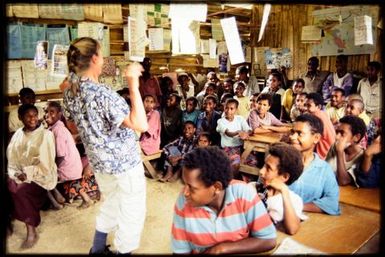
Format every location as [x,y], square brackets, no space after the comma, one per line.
[106,126]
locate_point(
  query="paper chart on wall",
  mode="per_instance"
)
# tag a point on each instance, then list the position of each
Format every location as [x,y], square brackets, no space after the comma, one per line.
[157,15]
[32,77]
[363,30]
[14,49]
[213,48]
[196,12]
[205,48]
[185,36]
[310,33]
[156,39]
[30,34]
[57,35]
[14,77]
[136,41]
[53,82]
[233,42]
[59,66]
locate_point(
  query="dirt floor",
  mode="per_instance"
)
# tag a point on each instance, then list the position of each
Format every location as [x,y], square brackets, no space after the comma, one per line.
[70,231]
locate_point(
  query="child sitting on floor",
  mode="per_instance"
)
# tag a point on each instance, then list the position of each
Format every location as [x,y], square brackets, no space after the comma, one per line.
[150,140]
[204,139]
[174,152]
[191,113]
[233,129]
[283,165]
[68,161]
[171,120]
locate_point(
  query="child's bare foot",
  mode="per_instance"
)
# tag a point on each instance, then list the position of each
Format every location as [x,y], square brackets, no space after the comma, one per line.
[58,196]
[29,242]
[174,177]
[85,205]
[57,206]
[167,176]
[31,239]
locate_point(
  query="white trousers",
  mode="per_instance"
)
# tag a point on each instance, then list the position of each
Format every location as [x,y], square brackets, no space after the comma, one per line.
[123,209]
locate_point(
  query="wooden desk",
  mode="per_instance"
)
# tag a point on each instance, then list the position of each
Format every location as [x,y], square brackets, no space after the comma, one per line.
[258,142]
[344,234]
[367,198]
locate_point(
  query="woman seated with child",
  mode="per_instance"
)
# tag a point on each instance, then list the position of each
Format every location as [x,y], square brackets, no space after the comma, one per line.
[31,170]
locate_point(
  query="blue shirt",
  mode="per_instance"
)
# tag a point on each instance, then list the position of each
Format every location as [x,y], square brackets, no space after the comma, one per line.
[318,185]
[98,113]
[192,116]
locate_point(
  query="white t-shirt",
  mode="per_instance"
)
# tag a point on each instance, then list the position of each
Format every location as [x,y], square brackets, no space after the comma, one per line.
[239,123]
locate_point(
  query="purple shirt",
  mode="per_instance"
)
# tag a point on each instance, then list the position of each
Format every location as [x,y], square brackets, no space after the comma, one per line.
[70,167]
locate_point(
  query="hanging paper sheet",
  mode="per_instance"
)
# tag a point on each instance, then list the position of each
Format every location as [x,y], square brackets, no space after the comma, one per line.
[57,35]
[41,55]
[59,61]
[233,42]
[30,34]
[14,45]
[14,77]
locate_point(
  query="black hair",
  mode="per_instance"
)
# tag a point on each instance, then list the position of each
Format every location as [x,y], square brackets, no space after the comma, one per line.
[226,96]
[213,98]
[189,122]
[341,90]
[24,108]
[317,98]
[313,121]
[205,134]
[343,58]
[299,80]
[148,95]
[290,160]
[277,75]
[213,163]
[313,59]
[56,105]
[177,97]
[26,91]
[242,69]
[264,96]
[193,99]
[239,83]
[229,80]
[375,65]
[232,101]
[357,125]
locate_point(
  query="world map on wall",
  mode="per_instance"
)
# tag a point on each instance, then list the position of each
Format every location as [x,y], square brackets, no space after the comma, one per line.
[337,25]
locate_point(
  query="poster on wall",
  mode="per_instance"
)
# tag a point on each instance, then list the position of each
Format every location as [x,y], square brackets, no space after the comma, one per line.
[41,55]
[59,66]
[136,41]
[276,58]
[338,29]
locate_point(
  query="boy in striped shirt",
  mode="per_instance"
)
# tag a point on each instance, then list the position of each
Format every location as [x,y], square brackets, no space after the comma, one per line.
[215,214]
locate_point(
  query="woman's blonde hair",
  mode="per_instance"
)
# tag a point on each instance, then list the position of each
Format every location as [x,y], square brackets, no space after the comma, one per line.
[79,57]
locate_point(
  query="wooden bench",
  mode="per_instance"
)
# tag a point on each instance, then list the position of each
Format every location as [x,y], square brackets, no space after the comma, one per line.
[367,198]
[344,234]
[146,161]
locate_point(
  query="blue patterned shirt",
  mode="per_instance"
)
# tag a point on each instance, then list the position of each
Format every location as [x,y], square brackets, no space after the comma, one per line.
[98,113]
